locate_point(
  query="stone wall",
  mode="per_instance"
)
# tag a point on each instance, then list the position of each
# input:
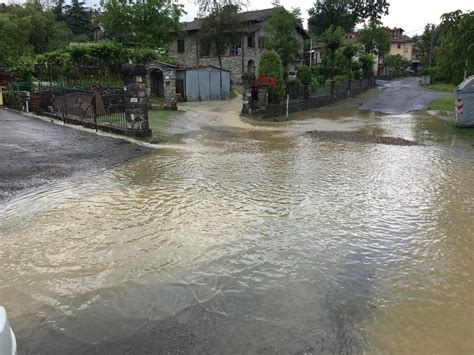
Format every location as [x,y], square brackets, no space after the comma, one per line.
[264,110]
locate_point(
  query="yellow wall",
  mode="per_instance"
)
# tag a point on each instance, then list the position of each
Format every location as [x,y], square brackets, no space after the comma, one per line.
[405,50]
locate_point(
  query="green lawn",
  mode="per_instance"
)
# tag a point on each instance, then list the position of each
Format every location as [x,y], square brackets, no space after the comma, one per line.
[445,103]
[158,119]
[440,87]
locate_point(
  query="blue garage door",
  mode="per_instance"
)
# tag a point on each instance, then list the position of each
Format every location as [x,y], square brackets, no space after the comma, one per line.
[204,85]
[192,85]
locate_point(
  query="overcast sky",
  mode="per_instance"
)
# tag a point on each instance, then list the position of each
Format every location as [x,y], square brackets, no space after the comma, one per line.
[411,15]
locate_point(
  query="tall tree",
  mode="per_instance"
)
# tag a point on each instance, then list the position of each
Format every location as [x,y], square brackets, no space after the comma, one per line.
[150,23]
[78,18]
[280,35]
[220,30]
[344,13]
[455,57]
[427,42]
[374,37]
[207,7]
[327,13]
[332,39]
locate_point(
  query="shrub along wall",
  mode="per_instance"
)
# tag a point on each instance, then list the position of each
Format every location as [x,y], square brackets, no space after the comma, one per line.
[313,102]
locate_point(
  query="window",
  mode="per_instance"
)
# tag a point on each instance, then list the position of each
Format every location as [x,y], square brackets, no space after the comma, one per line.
[204,49]
[251,40]
[399,46]
[180,45]
[235,49]
[261,42]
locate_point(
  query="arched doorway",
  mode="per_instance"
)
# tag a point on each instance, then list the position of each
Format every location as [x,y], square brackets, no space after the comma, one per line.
[157,87]
[251,67]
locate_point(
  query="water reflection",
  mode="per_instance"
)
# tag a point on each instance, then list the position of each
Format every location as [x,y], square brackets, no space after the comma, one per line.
[257,243]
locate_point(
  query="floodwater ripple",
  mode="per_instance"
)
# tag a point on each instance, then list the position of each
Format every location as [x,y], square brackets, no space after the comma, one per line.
[292,245]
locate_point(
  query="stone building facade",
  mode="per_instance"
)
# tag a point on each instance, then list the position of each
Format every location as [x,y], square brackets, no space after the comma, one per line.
[240,59]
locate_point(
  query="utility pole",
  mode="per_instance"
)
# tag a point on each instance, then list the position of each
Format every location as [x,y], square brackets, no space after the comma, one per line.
[431,43]
[310,52]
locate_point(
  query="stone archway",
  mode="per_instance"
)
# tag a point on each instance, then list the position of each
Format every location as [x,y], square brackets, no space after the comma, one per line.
[169,81]
[157,84]
[251,67]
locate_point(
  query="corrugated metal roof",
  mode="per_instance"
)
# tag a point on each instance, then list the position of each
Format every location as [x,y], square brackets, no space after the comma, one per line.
[191,67]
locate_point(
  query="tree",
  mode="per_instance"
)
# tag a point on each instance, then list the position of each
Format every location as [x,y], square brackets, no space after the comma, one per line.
[396,63]
[220,30]
[78,18]
[151,23]
[426,43]
[27,30]
[455,57]
[367,61]
[343,13]
[270,65]
[280,35]
[349,51]
[304,74]
[327,13]
[207,7]
[374,37]
[332,39]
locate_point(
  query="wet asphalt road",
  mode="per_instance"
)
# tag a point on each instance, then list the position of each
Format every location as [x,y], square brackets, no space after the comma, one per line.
[401,96]
[34,152]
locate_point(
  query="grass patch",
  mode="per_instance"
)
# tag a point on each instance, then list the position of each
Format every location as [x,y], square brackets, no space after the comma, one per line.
[439,87]
[157,121]
[465,133]
[445,103]
[233,94]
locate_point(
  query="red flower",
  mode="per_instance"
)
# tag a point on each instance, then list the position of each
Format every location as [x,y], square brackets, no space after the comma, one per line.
[267,80]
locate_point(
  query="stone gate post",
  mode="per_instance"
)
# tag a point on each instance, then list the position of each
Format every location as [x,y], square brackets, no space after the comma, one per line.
[136,106]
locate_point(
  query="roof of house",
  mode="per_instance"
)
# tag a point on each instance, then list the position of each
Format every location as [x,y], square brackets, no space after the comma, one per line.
[256,16]
[402,39]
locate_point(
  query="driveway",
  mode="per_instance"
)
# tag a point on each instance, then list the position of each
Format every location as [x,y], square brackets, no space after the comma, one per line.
[34,152]
[400,96]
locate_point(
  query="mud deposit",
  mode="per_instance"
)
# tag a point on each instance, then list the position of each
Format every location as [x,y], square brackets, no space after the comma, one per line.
[358,137]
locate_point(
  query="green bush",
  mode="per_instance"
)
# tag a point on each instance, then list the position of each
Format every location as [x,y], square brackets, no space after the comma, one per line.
[25,68]
[270,65]
[294,88]
[304,74]
[340,78]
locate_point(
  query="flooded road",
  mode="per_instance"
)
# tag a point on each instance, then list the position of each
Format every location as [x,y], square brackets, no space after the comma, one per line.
[249,240]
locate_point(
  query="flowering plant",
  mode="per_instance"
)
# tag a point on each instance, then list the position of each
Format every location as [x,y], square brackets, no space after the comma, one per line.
[267,80]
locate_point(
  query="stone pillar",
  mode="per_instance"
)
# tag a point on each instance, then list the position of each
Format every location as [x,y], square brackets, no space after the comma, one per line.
[136,107]
[262,98]
[169,80]
[306,90]
[248,81]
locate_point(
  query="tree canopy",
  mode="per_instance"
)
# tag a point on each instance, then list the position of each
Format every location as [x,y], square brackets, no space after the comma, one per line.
[344,13]
[29,29]
[152,23]
[280,35]
[374,37]
[220,30]
[456,47]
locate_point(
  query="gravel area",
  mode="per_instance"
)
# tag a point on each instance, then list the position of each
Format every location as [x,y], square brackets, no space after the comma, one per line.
[34,152]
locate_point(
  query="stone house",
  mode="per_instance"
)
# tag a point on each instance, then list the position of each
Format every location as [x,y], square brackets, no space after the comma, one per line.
[241,58]
[399,44]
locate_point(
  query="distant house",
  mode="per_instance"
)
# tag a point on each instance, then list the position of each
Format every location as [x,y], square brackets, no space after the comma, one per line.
[242,57]
[399,44]
[316,53]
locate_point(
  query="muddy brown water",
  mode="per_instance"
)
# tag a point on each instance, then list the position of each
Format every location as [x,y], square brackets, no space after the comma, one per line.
[237,240]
